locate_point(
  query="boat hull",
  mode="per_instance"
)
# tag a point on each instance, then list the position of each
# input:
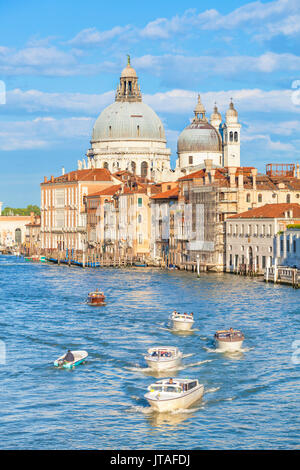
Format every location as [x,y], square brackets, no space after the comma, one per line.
[79,358]
[182,325]
[163,364]
[175,403]
[229,345]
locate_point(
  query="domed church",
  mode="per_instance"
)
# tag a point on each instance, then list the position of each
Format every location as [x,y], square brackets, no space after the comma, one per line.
[128,134]
[202,140]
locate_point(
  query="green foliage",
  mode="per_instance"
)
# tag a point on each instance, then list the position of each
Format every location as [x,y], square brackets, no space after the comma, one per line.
[30,208]
[297,226]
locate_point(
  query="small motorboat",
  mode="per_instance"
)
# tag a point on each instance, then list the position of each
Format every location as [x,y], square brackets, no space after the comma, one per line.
[79,357]
[169,394]
[163,357]
[229,340]
[182,321]
[96,298]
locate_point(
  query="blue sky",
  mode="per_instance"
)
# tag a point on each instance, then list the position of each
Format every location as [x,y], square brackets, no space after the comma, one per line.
[60,62]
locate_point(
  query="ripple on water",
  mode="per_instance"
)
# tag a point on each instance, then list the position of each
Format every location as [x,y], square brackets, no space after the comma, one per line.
[250,400]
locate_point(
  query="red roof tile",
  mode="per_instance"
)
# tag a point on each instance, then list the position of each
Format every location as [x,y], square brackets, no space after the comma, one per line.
[170,194]
[269,211]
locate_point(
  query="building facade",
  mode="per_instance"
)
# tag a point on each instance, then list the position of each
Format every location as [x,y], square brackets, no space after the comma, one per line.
[253,240]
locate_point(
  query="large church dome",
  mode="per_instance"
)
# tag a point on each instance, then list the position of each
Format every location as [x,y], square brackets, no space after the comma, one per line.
[199,136]
[128,120]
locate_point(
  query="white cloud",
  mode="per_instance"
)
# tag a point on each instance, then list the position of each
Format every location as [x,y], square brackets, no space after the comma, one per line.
[92,37]
[43,132]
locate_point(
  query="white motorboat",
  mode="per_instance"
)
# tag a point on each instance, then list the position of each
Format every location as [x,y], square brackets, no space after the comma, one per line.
[229,340]
[169,394]
[79,357]
[182,321]
[163,357]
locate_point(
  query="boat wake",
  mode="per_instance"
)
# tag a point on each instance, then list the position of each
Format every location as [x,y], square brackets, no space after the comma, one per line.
[194,364]
[211,390]
[231,353]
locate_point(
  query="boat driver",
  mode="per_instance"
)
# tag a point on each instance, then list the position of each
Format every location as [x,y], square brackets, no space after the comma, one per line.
[69,357]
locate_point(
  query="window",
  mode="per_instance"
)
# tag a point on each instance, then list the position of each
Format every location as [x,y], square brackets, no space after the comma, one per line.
[144,169]
[294,246]
[287,245]
[190,160]
[140,201]
[109,131]
[105,165]
[248,198]
[140,238]
[288,198]
[263,259]
[133,167]
[231,136]
[236,137]
[259,198]
[138,130]
[230,260]
[139,218]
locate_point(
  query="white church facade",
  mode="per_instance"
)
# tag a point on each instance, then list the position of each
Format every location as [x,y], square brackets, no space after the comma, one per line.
[128,135]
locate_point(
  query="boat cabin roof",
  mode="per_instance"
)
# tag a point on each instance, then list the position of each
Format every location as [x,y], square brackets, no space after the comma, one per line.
[163,348]
[175,381]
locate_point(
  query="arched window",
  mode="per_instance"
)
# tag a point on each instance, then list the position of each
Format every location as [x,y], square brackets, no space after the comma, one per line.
[139,218]
[144,169]
[138,130]
[288,198]
[248,198]
[133,167]
[231,136]
[109,131]
[236,137]
[190,160]
[259,198]
[105,165]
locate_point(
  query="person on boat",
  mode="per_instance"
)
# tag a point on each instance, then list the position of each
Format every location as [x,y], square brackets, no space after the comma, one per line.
[171,381]
[231,331]
[69,357]
[192,314]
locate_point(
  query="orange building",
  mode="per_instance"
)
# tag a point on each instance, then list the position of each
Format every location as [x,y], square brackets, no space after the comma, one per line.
[63,215]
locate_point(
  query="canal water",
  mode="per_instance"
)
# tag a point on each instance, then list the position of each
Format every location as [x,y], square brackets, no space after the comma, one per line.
[251,400]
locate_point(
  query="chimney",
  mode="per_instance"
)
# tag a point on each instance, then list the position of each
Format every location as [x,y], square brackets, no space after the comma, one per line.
[52,179]
[212,175]
[254,173]
[45,179]
[297,171]
[63,170]
[231,171]
[1,204]
[68,177]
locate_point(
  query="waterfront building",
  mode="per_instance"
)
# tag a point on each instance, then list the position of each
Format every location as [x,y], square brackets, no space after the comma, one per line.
[253,242]
[287,245]
[165,225]
[13,229]
[33,236]
[128,135]
[63,215]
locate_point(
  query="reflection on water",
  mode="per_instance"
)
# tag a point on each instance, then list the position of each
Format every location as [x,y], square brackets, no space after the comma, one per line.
[251,397]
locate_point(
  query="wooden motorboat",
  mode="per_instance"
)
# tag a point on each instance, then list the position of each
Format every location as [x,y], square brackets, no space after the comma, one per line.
[182,321]
[79,357]
[96,298]
[163,357]
[229,340]
[169,394]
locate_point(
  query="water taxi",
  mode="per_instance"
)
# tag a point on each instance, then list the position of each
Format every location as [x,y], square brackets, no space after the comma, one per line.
[182,321]
[169,394]
[96,298]
[229,340]
[163,357]
[78,358]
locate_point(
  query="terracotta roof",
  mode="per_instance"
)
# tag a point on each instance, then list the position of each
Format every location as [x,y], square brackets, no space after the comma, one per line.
[269,211]
[110,191]
[95,174]
[170,194]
